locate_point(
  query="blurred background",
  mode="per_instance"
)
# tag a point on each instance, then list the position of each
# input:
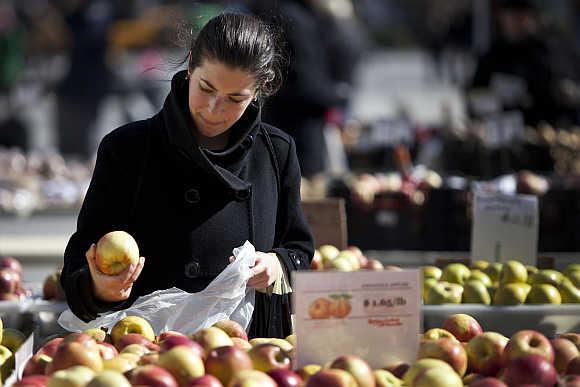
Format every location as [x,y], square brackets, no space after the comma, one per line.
[399,107]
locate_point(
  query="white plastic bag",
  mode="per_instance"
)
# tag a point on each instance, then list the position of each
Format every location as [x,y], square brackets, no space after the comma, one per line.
[226,297]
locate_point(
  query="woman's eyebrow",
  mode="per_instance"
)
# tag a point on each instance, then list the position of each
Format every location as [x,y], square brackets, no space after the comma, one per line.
[231,94]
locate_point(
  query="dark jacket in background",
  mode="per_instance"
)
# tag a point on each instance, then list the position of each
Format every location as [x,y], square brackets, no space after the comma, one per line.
[188,207]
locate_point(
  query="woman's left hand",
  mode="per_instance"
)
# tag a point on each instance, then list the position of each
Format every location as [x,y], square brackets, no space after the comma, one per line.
[265,272]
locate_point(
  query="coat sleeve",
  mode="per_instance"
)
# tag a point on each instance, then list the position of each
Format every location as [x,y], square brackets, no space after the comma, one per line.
[295,245]
[105,208]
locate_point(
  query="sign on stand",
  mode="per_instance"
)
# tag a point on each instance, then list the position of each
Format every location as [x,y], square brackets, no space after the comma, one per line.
[504,227]
[372,314]
[21,356]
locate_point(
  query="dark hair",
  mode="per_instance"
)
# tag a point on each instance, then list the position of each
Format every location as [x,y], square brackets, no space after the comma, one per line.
[244,42]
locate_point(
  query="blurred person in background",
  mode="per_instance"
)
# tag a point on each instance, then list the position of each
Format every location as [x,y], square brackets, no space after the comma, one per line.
[531,68]
[88,79]
[195,181]
[13,36]
[325,42]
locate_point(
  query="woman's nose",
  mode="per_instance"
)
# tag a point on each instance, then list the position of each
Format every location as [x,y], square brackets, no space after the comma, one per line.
[215,105]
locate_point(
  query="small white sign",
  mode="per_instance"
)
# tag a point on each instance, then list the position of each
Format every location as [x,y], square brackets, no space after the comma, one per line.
[21,356]
[372,314]
[504,227]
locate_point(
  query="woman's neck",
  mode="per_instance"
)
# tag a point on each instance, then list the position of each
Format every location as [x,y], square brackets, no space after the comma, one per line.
[217,143]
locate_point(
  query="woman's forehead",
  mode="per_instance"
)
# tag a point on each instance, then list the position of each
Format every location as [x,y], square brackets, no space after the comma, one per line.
[225,78]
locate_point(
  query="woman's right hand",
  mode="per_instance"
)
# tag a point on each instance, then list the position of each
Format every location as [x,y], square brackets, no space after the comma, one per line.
[112,288]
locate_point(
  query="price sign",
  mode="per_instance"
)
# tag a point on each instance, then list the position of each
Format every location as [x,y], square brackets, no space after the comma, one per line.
[504,227]
[372,314]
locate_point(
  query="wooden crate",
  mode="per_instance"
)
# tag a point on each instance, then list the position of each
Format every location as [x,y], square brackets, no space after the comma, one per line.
[327,220]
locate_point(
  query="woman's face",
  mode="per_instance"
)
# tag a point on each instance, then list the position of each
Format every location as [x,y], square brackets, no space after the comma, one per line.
[218,96]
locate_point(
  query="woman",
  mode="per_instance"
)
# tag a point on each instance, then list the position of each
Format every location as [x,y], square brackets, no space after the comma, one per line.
[196,180]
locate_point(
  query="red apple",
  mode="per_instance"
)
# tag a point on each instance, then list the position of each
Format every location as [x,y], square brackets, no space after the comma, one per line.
[528,342]
[206,380]
[564,352]
[331,378]
[266,357]
[10,263]
[573,366]
[116,251]
[357,367]
[135,338]
[485,352]
[308,370]
[488,382]
[241,343]
[174,341]
[9,281]
[149,358]
[152,376]
[164,335]
[36,365]
[462,326]
[76,349]
[374,264]
[49,348]
[447,350]
[32,381]
[232,328]
[530,369]
[573,337]
[285,378]
[225,362]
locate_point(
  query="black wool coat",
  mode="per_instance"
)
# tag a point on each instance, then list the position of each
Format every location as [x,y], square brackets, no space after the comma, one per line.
[188,207]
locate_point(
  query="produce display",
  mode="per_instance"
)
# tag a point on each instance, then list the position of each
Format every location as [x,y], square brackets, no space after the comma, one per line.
[510,283]
[459,353]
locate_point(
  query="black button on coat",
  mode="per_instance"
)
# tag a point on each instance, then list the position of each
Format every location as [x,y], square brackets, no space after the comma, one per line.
[188,207]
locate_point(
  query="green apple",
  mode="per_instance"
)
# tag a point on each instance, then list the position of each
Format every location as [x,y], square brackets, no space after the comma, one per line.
[431,272]
[6,363]
[75,376]
[475,292]
[340,264]
[544,294]
[513,272]
[493,271]
[328,253]
[444,293]
[574,277]
[384,378]
[548,276]
[478,275]
[570,293]
[456,273]
[12,339]
[351,257]
[438,333]
[433,373]
[480,265]
[428,283]
[531,271]
[571,268]
[511,294]
[109,378]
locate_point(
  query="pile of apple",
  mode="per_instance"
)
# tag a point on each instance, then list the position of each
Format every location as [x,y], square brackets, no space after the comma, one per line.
[329,257]
[10,340]
[131,354]
[462,353]
[511,283]
[11,279]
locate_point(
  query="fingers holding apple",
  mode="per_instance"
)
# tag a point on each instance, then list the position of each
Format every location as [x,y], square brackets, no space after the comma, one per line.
[112,287]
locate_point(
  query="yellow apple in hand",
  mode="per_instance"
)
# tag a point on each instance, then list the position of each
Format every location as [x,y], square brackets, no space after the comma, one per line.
[116,250]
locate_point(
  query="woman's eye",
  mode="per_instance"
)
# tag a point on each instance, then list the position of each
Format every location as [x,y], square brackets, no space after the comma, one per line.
[236,100]
[205,90]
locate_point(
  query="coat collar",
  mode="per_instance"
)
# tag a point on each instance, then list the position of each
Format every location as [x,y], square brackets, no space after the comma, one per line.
[224,165]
